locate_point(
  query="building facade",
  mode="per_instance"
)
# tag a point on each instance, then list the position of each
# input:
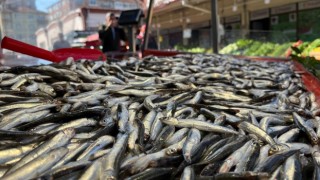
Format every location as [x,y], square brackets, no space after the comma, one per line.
[16,4]
[20,19]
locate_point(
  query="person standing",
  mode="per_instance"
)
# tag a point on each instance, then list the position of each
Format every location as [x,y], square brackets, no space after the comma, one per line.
[152,42]
[111,35]
[61,43]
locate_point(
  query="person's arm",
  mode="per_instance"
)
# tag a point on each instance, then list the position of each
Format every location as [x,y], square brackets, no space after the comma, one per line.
[101,35]
[67,44]
[54,47]
[102,32]
[122,35]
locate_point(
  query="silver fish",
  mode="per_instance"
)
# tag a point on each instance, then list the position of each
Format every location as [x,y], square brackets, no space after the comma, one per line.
[59,140]
[38,165]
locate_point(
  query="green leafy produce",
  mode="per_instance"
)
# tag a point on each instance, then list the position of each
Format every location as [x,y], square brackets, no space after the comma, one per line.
[303,46]
[310,47]
[252,50]
[243,43]
[310,63]
[230,49]
[264,49]
[190,49]
[279,50]
[249,47]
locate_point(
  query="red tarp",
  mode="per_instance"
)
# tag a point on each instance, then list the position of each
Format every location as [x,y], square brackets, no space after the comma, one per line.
[148,52]
[93,40]
[93,37]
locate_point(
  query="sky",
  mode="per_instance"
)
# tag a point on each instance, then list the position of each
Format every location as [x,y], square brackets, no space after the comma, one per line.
[42,5]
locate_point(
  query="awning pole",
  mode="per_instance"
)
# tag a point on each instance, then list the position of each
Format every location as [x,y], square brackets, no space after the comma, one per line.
[214,26]
[149,19]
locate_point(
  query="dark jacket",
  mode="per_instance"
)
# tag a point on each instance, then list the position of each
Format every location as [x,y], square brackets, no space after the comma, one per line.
[108,42]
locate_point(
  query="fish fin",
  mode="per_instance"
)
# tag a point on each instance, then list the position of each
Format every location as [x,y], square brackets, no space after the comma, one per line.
[141,148]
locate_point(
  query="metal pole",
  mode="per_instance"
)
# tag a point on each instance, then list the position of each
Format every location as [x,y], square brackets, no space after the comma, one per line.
[214,26]
[158,38]
[133,39]
[2,6]
[149,19]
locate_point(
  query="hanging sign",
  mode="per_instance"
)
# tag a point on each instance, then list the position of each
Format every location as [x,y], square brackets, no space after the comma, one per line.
[232,19]
[260,14]
[187,33]
[309,5]
[283,9]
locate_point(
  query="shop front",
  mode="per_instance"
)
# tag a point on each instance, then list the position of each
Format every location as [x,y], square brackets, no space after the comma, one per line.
[284,19]
[232,27]
[308,25]
[277,22]
[260,24]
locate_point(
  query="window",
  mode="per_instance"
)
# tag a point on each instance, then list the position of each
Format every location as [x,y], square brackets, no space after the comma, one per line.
[79,2]
[119,5]
[19,36]
[107,5]
[42,45]
[7,16]
[8,26]
[18,26]
[58,14]
[93,2]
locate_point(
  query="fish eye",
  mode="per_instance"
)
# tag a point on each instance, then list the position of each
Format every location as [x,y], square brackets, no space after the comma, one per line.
[274,149]
[163,118]
[111,178]
[171,151]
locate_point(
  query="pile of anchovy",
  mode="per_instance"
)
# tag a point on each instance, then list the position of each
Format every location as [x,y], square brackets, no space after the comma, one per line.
[188,117]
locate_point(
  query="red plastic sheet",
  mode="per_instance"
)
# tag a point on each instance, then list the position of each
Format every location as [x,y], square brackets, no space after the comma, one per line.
[93,37]
[311,83]
[149,52]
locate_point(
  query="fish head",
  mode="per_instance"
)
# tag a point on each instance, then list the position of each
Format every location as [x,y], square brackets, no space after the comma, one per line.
[277,148]
[314,140]
[171,151]
[107,118]
[110,175]
[107,122]
[69,131]
[157,107]
[52,93]
[169,120]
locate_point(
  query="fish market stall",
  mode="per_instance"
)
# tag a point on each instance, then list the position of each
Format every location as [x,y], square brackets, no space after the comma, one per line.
[177,116]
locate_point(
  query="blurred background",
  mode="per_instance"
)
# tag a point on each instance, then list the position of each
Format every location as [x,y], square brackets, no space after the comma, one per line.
[247,27]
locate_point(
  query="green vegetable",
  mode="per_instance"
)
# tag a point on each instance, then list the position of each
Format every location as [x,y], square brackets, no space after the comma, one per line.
[249,47]
[310,47]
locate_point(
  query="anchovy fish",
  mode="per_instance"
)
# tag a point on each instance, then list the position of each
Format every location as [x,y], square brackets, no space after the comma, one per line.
[189,116]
